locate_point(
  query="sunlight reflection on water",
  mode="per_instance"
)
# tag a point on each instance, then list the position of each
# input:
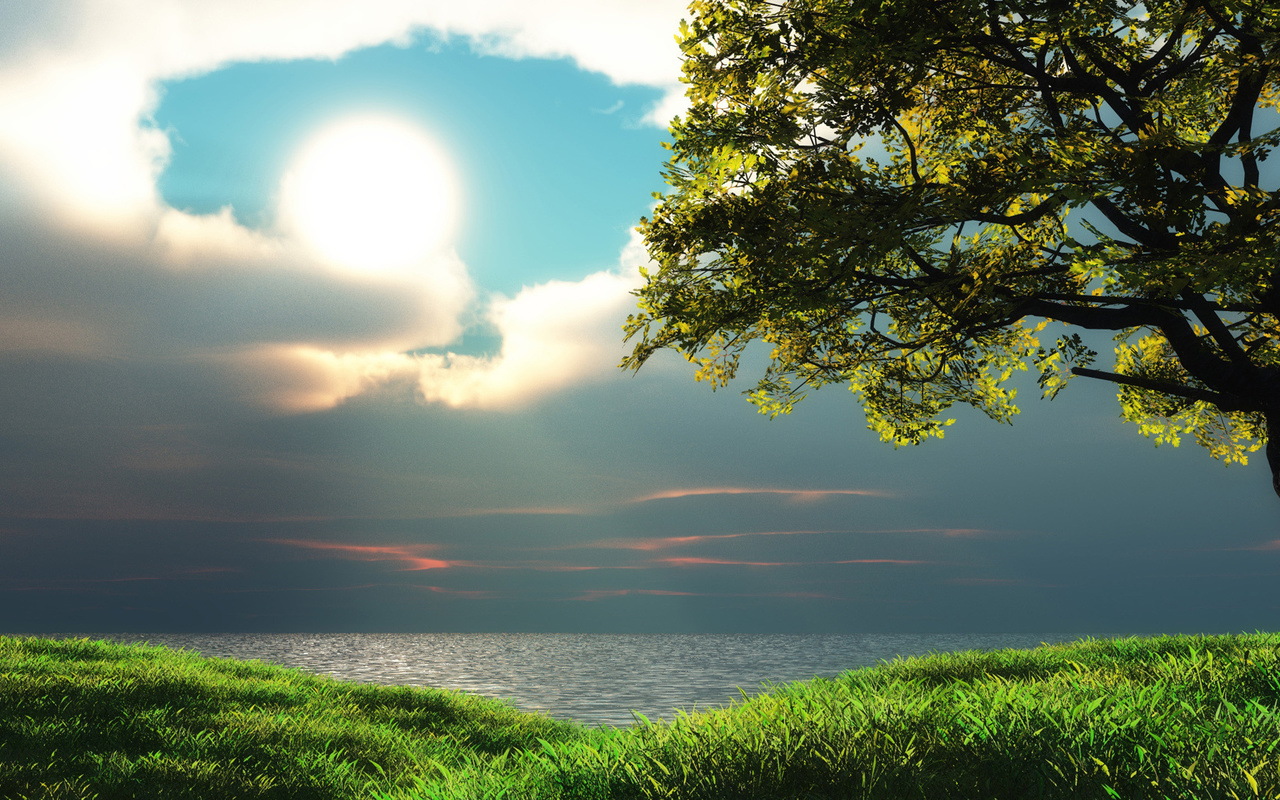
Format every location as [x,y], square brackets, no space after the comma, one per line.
[592,678]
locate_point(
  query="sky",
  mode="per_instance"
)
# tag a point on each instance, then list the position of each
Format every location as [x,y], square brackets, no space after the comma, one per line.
[310,318]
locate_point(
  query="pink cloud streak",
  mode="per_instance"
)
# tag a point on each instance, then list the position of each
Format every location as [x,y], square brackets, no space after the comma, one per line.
[799,494]
[540,566]
[1274,544]
[475,595]
[878,561]
[661,542]
[600,594]
[271,589]
[358,552]
[658,543]
[685,562]
[528,510]
[693,561]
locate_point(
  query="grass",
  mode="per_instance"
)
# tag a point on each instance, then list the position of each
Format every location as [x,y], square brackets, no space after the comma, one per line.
[1165,717]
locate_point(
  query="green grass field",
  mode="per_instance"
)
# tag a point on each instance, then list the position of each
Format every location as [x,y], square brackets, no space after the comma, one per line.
[1166,717]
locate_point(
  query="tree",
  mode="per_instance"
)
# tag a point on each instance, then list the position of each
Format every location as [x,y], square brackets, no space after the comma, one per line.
[921,276]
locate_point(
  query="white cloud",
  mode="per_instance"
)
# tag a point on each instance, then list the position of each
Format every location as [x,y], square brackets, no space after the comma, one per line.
[631,41]
[69,131]
[74,89]
[552,334]
[202,286]
[99,266]
[673,104]
[302,378]
[185,239]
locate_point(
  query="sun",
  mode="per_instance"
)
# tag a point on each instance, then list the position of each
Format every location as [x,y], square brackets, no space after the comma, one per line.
[370,193]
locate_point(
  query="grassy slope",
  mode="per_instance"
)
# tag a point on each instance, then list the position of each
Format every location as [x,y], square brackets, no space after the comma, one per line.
[1165,717]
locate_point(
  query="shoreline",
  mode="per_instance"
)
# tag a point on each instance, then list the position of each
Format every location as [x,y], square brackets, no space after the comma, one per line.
[1195,715]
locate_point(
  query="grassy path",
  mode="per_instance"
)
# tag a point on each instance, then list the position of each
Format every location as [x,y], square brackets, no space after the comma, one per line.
[1175,717]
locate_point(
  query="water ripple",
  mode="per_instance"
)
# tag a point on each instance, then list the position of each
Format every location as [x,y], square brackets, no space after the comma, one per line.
[596,679]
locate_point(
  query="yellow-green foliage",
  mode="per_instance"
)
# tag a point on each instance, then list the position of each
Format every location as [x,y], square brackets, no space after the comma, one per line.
[885,193]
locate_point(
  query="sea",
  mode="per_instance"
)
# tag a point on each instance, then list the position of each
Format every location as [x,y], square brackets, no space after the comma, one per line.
[594,679]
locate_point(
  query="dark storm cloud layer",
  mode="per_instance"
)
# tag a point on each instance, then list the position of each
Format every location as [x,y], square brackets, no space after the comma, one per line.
[143,301]
[1021,542]
[343,520]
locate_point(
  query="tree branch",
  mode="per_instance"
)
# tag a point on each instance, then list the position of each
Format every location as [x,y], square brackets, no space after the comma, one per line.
[911,148]
[1212,323]
[1043,209]
[1175,36]
[1158,239]
[1093,318]
[1160,81]
[1192,352]
[1113,300]
[1226,402]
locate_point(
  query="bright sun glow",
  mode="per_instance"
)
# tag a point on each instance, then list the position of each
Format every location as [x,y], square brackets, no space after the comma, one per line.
[370,193]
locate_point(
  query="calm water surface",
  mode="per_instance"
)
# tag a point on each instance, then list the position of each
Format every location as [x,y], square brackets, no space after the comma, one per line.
[592,678]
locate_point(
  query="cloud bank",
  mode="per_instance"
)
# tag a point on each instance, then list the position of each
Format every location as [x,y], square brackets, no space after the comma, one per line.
[97,266]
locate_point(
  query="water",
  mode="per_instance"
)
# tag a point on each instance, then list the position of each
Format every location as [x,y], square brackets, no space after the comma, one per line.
[596,679]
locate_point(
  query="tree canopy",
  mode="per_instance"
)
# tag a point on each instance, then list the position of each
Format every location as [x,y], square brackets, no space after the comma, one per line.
[900,195]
